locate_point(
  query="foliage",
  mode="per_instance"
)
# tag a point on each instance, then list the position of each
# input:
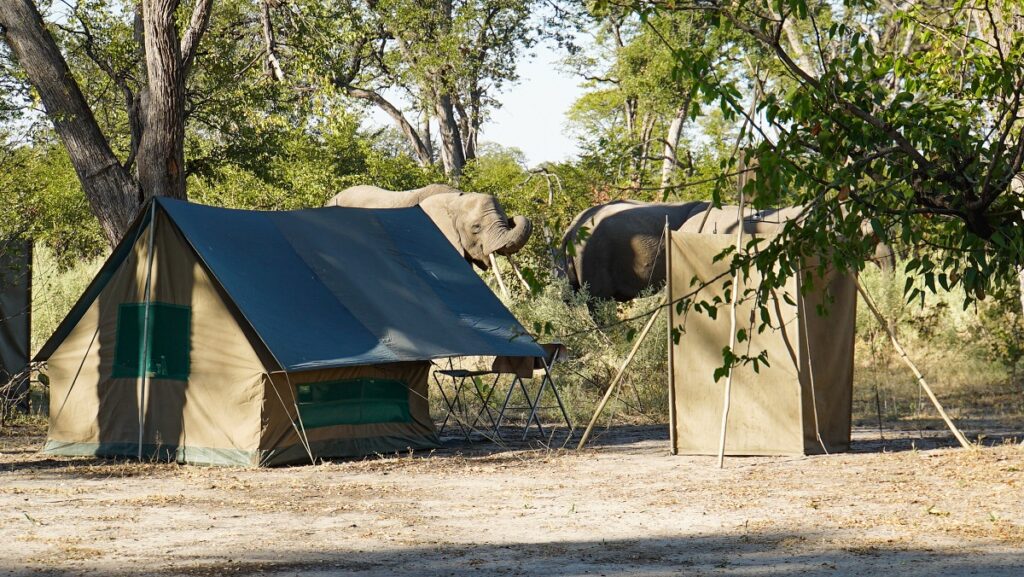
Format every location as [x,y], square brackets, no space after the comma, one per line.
[56,287]
[42,200]
[447,60]
[306,167]
[952,347]
[631,123]
[905,115]
[596,354]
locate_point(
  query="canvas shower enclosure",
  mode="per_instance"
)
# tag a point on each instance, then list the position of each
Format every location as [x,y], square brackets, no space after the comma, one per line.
[800,403]
[220,336]
[15,316]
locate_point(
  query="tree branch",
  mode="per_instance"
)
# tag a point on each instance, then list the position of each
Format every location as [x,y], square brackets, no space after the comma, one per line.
[197,26]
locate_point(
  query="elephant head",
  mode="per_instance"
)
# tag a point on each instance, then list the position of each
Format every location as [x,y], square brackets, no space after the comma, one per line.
[477,225]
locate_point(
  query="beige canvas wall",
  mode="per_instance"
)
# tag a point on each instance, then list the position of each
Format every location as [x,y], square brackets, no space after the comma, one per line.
[810,361]
[212,417]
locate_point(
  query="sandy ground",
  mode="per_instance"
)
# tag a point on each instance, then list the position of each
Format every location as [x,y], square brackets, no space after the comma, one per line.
[625,507]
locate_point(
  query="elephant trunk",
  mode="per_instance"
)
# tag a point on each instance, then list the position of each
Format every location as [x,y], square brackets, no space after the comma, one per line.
[513,238]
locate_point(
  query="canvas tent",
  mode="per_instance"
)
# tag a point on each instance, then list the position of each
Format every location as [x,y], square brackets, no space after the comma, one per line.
[15,314]
[267,336]
[799,404]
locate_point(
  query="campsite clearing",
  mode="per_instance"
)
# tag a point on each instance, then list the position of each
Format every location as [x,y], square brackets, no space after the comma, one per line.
[626,507]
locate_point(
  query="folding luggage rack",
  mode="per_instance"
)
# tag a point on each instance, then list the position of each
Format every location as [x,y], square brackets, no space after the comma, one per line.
[458,408]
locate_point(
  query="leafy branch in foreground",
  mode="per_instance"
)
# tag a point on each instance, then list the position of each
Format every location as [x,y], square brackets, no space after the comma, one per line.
[904,116]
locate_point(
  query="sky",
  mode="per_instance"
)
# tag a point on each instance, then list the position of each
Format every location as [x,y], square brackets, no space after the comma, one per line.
[532,116]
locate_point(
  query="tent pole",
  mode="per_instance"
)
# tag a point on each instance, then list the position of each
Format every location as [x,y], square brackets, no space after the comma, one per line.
[497,275]
[622,371]
[671,361]
[732,322]
[143,381]
[917,374]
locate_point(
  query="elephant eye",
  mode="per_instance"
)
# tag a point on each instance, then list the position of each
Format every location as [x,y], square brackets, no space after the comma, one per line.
[475,228]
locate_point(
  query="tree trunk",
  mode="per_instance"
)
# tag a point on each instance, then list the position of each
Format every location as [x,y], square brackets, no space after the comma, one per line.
[112,193]
[671,159]
[451,140]
[468,127]
[272,66]
[426,138]
[638,161]
[161,158]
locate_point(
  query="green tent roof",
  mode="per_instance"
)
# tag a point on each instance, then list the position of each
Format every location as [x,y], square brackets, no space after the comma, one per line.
[331,287]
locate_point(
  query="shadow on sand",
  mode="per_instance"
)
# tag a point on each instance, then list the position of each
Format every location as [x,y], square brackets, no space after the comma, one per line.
[730,555]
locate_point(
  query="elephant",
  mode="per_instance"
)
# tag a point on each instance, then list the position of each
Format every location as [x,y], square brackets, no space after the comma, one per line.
[622,252]
[474,223]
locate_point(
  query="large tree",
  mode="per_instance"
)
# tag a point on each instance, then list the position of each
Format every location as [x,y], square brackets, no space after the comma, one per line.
[428,64]
[151,80]
[633,116]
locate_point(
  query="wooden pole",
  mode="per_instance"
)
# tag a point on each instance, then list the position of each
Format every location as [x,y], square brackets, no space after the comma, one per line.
[727,397]
[622,370]
[143,382]
[671,362]
[497,275]
[917,374]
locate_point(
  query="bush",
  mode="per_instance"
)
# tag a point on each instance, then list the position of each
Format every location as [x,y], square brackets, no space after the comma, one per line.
[598,345]
[56,288]
[952,346]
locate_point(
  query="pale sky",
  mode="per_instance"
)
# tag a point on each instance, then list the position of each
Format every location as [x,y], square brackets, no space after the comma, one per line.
[532,117]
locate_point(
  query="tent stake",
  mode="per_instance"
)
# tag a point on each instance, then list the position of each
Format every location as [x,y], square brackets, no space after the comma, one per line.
[917,374]
[497,275]
[144,349]
[622,371]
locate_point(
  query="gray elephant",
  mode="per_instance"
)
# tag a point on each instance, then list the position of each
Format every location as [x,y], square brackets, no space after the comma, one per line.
[622,251]
[474,223]
[616,249]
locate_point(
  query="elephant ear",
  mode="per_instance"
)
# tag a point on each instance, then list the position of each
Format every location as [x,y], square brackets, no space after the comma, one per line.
[438,211]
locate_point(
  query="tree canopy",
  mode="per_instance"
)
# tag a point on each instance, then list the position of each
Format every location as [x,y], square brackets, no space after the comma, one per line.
[903,116]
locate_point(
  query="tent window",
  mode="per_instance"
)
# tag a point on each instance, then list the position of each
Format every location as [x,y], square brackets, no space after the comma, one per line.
[170,344]
[353,402]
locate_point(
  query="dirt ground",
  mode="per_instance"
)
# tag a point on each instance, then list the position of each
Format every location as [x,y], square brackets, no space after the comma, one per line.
[910,506]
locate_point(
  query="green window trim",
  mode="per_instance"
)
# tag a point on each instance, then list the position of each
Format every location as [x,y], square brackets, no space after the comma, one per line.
[360,401]
[170,341]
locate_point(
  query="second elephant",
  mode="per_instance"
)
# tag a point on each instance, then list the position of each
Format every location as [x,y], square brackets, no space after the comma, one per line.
[617,249]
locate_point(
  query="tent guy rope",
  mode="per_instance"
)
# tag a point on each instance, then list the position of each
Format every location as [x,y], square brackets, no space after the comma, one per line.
[917,373]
